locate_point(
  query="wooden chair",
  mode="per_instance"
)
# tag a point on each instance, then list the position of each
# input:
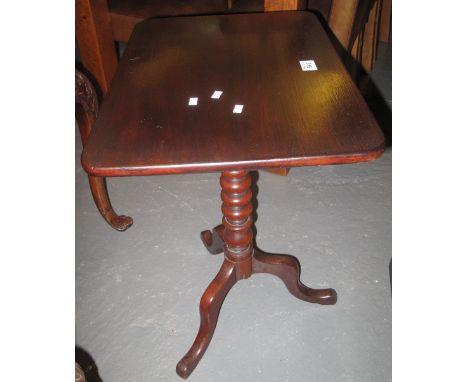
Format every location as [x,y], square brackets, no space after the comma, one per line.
[86,109]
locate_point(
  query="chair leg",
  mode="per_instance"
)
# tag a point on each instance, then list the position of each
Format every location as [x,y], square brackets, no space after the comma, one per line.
[101,198]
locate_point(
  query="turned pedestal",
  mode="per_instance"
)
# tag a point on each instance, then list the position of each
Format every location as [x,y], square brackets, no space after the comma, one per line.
[241,260]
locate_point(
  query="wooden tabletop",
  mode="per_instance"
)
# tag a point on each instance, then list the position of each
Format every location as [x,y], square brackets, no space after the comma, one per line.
[290,117]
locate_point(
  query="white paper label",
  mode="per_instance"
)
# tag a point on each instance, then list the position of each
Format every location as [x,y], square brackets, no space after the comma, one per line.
[216,94]
[238,109]
[193,101]
[308,65]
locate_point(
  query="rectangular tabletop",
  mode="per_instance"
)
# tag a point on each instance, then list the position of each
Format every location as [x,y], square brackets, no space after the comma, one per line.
[290,117]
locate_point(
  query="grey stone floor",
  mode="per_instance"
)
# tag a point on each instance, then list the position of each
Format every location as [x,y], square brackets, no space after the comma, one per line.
[137,292]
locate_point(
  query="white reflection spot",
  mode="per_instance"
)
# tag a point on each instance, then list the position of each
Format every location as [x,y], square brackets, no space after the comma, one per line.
[193,101]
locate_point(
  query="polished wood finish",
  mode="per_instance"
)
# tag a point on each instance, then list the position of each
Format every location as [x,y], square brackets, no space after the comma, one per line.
[100,22]
[237,220]
[210,305]
[241,260]
[95,41]
[101,198]
[125,14]
[290,117]
[356,24]
[86,112]
[288,269]
[213,240]
[279,171]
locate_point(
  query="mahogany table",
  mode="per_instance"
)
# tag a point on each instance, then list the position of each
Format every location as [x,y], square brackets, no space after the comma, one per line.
[149,124]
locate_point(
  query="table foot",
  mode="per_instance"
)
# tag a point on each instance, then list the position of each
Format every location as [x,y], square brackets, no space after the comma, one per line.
[120,222]
[210,305]
[101,198]
[288,269]
[213,240]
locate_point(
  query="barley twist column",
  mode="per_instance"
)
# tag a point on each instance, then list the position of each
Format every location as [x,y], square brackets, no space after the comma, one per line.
[237,220]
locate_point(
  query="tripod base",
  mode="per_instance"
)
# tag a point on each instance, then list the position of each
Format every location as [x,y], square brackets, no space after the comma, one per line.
[286,267]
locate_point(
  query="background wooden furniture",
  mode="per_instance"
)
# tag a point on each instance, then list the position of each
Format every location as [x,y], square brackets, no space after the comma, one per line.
[386,21]
[86,110]
[290,117]
[99,23]
[356,24]
[284,5]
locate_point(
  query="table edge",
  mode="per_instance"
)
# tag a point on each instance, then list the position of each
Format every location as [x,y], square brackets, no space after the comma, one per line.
[257,164]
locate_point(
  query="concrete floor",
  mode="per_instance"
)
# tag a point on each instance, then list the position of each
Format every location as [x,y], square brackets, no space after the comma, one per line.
[137,292]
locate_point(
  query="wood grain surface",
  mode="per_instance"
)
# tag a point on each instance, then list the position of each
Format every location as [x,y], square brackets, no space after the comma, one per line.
[290,117]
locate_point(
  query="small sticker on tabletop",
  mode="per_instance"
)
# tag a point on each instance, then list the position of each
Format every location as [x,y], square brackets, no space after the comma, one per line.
[216,94]
[308,65]
[238,109]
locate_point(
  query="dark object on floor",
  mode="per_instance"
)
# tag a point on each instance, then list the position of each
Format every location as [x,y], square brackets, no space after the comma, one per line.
[85,367]
[86,109]
[79,374]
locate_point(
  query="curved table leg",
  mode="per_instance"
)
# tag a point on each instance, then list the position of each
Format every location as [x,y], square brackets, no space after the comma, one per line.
[101,198]
[86,111]
[210,305]
[288,269]
[213,240]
